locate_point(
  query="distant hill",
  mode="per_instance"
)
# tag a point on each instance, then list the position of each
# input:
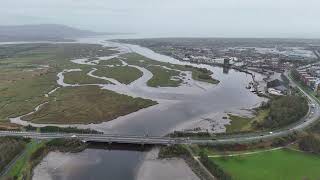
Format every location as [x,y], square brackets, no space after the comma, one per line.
[42,32]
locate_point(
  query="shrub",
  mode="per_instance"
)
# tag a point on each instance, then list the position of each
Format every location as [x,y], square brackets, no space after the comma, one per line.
[215,169]
[286,110]
[310,143]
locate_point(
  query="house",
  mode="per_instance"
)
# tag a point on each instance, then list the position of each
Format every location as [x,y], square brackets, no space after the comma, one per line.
[274,83]
[277,87]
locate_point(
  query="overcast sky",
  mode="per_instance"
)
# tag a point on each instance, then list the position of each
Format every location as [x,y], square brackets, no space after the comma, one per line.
[214,18]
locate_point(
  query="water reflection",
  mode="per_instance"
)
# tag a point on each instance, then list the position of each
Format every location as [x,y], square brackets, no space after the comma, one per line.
[103,163]
[99,162]
[226,70]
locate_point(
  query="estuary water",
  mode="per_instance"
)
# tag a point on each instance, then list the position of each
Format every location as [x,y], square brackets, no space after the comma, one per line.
[202,109]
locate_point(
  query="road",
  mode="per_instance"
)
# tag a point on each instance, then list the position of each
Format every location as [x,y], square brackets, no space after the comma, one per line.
[311,117]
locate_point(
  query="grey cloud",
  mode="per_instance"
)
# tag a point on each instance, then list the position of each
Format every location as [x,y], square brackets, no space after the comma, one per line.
[240,18]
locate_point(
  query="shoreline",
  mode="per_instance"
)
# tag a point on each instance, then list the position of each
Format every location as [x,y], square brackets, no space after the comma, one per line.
[122,121]
[158,169]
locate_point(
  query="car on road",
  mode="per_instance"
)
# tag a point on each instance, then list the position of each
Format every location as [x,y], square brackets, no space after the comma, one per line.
[73,136]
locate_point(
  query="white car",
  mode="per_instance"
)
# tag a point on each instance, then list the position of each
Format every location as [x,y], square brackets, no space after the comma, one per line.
[73,136]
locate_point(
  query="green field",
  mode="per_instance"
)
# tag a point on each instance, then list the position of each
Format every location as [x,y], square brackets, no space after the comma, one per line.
[162,79]
[87,104]
[276,165]
[202,75]
[123,74]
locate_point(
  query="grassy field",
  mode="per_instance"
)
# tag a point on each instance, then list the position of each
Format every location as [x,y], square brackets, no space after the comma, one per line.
[276,165]
[240,123]
[22,96]
[197,73]
[81,77]
[25,76]
[88,104]
[202,75]
[123,74]
[163,77]
[28,72]
[55,55]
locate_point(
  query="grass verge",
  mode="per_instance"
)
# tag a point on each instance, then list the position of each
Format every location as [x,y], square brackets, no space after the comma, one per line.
[21,164]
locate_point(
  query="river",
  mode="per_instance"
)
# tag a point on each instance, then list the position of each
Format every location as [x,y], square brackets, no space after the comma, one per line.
[206,108]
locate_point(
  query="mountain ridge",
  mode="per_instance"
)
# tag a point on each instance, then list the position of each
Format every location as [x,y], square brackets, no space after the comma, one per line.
[42,32]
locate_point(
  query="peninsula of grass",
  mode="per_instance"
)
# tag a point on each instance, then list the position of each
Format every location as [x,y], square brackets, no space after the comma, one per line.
[81,77]
[163,77]
[123,74]
[277,165]
[88,104]
[199,74]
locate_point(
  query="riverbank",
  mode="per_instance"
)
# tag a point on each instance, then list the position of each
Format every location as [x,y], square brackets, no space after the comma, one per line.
[35,151]
[159,169]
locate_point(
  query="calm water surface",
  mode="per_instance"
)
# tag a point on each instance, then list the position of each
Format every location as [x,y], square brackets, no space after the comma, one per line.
[228,95]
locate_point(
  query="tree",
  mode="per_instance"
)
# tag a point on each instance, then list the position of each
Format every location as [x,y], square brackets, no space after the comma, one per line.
[310,143]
